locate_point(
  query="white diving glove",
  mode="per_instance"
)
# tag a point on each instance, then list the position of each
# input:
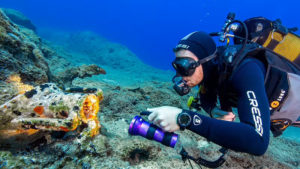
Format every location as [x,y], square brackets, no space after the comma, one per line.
[165,117]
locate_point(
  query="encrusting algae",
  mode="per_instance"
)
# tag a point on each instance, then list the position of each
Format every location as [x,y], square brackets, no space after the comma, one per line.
[48,108]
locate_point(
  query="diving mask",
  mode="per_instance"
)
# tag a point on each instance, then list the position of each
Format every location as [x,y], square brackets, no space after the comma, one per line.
[185,66]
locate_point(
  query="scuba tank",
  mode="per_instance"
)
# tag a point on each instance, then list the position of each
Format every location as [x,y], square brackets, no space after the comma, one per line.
[272,35]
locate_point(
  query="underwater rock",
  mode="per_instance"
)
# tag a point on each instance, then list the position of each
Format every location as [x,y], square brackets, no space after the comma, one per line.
[60,155]
[8,91]
[48,108]
[136,99]
[83,71]
[123,67]
[24,54]
[18,18]
[21,54]
[89,47]
[135,151]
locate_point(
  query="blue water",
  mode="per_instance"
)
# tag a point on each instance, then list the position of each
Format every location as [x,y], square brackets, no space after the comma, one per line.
[149,28]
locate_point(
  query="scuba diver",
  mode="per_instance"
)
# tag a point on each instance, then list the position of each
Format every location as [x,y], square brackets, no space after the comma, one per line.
[251,135]
[259,74]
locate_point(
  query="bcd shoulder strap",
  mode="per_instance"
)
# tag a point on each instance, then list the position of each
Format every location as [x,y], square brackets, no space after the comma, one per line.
[230,59]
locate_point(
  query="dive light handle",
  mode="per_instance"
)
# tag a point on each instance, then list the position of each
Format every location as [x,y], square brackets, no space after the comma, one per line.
[145,113]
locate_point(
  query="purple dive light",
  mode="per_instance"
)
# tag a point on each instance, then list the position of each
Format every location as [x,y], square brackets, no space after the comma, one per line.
[139,126]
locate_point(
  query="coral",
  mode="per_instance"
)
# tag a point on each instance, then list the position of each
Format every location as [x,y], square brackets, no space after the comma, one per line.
[47,108]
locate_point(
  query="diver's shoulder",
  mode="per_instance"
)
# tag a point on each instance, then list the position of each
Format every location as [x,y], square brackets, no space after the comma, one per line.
[249,65]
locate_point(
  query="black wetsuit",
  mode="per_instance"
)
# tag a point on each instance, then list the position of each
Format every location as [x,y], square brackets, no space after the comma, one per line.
[251,134]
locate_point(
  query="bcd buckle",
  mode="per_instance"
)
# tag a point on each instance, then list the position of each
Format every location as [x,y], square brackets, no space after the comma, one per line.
[279,125]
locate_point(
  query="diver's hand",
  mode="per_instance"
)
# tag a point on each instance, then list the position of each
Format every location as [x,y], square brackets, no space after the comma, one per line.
[165,117]
[228,117]
[223,115]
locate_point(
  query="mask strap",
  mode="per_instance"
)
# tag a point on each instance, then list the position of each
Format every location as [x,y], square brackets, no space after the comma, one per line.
[208,58]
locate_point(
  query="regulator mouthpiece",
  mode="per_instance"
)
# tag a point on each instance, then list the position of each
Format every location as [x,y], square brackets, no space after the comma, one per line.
[180,86]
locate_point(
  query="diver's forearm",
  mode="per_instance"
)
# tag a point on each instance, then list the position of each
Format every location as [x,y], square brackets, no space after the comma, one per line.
[236,136]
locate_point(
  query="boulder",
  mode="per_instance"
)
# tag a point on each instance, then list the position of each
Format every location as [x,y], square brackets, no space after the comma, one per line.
[66,77]
[19,19]
[21,54]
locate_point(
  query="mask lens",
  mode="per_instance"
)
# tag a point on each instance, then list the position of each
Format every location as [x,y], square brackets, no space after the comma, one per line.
[184,66]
